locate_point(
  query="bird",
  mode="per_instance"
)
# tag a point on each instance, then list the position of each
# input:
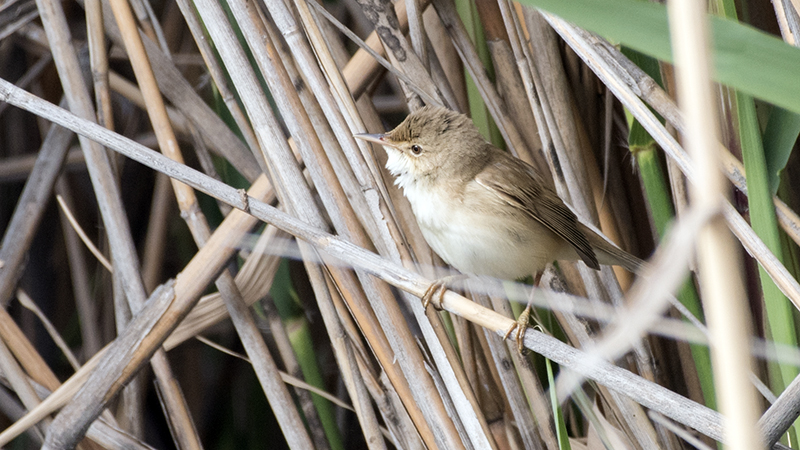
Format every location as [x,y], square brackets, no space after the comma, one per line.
[482,210]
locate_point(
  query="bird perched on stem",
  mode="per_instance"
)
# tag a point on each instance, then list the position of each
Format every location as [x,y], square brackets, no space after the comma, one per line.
[482,210]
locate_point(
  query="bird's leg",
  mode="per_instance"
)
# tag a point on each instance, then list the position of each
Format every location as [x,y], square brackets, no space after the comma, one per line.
[439,287]
[522,321]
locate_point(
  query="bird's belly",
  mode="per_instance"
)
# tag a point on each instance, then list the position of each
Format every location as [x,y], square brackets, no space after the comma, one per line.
[480,245]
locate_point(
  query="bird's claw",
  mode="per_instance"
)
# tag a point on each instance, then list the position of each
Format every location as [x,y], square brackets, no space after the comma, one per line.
[437,287]
[521,325]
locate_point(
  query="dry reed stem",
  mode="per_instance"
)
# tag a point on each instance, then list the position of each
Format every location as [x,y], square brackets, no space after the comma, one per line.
[721,275]
[99,62]
[507,360]
[217,73]
[472,62]
[24,222]
[20,384]
[556,104]
[511,82]
[399,51]
[24,19]
[549,79]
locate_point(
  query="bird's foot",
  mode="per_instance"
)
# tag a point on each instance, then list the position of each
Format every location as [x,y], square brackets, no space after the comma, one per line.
[437,289]
[521,326]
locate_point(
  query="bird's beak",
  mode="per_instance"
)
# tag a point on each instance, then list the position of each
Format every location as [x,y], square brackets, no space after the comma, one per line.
[382,139]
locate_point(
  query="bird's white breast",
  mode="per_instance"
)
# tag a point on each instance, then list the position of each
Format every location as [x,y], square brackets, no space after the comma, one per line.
[480,241]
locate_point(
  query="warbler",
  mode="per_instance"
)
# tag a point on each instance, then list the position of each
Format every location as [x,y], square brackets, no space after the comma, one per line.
[483,211]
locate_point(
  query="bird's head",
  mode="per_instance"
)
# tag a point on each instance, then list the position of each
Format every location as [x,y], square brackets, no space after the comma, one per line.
[431,142]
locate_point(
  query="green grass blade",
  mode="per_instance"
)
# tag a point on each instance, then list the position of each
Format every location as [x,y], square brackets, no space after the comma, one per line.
[781,133]
[300,337]
[561,426]
[780,321]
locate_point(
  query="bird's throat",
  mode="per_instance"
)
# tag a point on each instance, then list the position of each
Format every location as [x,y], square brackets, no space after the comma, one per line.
[401,168]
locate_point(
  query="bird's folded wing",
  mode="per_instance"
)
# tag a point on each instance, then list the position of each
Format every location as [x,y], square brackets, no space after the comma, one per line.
[519,186]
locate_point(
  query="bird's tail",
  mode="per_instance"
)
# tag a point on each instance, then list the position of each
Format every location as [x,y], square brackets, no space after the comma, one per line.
[609,254]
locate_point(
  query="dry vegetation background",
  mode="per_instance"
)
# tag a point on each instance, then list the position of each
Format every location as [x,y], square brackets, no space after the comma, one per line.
[203,322]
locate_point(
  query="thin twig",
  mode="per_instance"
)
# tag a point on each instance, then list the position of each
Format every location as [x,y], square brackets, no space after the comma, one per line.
[30,305]
[82,234]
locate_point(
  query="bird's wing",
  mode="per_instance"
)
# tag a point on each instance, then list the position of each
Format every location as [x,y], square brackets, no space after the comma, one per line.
[519,185]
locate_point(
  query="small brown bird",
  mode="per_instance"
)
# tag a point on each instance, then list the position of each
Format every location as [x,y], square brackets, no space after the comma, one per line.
[482,210]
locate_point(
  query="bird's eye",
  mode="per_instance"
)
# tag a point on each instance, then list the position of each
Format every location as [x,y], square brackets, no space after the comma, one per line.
[416,149]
